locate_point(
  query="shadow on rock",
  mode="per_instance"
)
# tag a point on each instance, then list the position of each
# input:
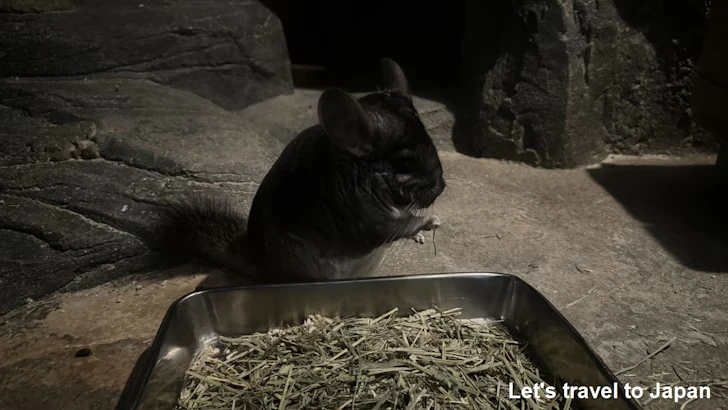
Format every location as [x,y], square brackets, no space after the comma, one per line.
[680,206]
[674,28]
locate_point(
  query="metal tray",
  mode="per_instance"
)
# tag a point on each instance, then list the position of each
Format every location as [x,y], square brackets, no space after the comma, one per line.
[198,318]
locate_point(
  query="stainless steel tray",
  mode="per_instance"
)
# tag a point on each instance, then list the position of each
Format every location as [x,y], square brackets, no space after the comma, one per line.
[198,318]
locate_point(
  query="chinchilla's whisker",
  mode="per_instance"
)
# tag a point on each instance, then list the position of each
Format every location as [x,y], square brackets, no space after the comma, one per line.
[404,224]
[376,263]
[398,228]
[389,244]
[412,211]
[411,215]
[387,239]
[395,233]
[387,252]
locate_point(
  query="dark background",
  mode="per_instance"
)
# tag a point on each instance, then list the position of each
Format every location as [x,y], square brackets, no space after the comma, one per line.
[349,38]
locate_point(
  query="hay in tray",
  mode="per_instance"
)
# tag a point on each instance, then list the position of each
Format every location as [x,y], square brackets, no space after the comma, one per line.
[426,360]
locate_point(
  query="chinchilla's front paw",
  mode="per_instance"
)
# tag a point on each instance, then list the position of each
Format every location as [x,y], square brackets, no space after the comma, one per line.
[419,238]
[432,223]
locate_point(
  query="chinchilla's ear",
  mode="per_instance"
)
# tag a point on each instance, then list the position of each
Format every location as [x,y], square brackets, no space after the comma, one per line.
[346,122]
[393,77]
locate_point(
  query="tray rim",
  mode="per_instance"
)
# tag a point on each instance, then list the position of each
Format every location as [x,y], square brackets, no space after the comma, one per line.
[138,386]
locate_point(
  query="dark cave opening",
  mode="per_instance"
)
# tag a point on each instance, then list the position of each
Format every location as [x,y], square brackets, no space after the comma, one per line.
[340,43]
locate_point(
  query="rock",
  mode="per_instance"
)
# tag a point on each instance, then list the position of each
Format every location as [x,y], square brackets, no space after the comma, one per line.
[146,126]
[85,170]
[231,52]
[561,84]
[47,246]
[710,91]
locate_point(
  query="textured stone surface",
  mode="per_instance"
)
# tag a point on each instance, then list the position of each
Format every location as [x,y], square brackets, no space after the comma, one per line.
[563,83]
[231,52]
[629,271]
[87,164]
[710,90]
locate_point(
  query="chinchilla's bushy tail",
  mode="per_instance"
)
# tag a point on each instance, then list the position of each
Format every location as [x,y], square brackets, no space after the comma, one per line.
[206,226]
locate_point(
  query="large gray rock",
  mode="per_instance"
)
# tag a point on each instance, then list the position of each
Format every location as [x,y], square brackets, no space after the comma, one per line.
[86,166]
[563,83]
[231,52]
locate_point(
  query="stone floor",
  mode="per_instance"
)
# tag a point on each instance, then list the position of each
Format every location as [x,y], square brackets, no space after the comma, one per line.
[629,250]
